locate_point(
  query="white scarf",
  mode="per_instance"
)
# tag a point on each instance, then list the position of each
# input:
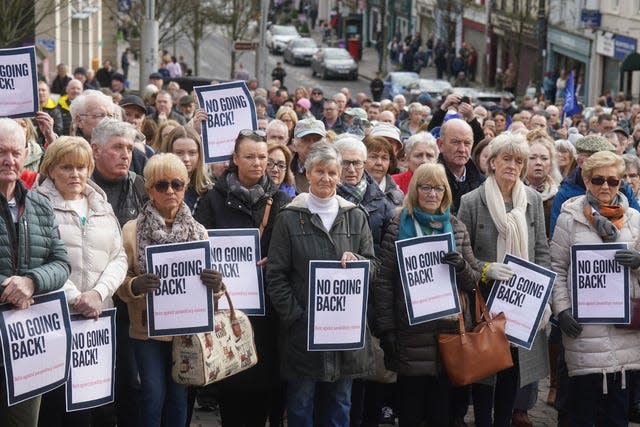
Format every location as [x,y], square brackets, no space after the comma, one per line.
[513,236]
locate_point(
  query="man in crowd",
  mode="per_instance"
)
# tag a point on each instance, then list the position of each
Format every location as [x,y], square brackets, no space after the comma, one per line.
[59,84]
[164,109]
[48,105]
[306,133]
[277,132]
[74,90]
[317,102]
[187,107]
[117,84]
[331,119]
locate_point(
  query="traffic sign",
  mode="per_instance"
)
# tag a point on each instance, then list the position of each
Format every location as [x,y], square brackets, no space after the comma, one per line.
[243,45]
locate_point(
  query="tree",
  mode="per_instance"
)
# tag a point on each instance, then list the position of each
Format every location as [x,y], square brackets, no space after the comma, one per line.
[20,18]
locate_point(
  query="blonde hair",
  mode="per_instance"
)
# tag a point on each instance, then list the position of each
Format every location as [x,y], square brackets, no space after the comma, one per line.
[198,178]
[67,149]
[161,165]
[428,172]
[602,159]
[157,143]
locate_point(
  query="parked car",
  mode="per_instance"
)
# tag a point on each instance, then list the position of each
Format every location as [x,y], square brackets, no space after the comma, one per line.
[399,83]
[433,87]
[300,51]
[277,37]
[334,62]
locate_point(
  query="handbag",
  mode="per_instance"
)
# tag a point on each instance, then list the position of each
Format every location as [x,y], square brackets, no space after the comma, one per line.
[470,356]
[635,315]
[207,357]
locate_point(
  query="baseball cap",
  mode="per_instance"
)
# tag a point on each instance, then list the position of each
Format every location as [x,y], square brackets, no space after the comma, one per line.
[154,76]
[118,76]
[133,101]
[304,103]
[386,130]
[593,144]
[621,130]
[356,112]
[186,100]
[308,127]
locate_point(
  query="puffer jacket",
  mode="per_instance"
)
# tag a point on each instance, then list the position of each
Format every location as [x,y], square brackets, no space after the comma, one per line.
[95,249]
[393,192]
[599,348]
[417,345]
[299,237]
[37,250]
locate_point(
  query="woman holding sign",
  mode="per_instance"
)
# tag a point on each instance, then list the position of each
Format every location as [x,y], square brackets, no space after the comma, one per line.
[245,197]
[318,225]
[165,219]
[504,216]
[599,356]
[412,350]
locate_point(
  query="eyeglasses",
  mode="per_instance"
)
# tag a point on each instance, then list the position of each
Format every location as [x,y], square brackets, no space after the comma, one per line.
[97,116]
[630,176]
[600,180]
[316,93]
[163,186]
[280,165]
[357,164]
[426,189]
[248,133]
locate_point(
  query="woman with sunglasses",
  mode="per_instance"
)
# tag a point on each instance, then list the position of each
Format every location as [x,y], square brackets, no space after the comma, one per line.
[245,197]
[164,219]
[599,357]
[504,216]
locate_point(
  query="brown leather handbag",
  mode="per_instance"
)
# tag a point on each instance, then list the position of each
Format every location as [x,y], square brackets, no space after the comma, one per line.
[635,316]
[470,356]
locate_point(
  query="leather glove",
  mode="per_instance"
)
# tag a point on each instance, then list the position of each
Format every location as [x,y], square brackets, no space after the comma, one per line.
[499,271]
[455,260]
[212,279]
[568,324]
[145,283]
[389,344]
[628,258]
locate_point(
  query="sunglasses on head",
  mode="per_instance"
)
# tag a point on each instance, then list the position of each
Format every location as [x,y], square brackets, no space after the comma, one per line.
[599,180]
[248,133]
[163,186]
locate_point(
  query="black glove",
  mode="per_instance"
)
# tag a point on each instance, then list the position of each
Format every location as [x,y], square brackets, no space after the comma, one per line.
[389,344]
[455,260]
[212,279]
[145,283]
[628,258]
[568,324]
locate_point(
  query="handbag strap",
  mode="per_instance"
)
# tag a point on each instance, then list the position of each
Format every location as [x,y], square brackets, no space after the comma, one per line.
[235,325]
[481,308]
[265,216]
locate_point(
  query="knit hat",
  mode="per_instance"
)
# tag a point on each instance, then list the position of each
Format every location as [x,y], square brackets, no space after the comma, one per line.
[304,103]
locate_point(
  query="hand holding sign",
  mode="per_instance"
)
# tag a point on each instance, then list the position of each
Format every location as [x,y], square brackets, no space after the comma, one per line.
[89,304]
[346,257]
[628,258]
[211,278]
[499,271]
[455,260]
[145,283]
[18,291]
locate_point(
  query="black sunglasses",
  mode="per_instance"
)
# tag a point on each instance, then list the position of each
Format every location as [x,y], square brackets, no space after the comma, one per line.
[248,133]
[599,180]
[163,186]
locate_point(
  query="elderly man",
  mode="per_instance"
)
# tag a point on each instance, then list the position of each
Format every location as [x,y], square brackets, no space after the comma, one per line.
[341,101]
[277,132]
[164,109]
[48,105]
[74,89]
[60,82]
[157,80]
[306,133]
[33,258]
[187,107]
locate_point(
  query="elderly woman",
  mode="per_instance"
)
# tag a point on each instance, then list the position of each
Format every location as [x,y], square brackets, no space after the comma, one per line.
[289,117]
[631,175]
[380,160]
[566,156]
[278,168]
[91,234]
[164,219]
[412,124]
[185,143]
[599,357]
[423,390]
[319,225]
[245,197]
[419,149]
[504,216]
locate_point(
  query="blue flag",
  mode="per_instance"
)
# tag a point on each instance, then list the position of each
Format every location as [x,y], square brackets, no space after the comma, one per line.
[571,106]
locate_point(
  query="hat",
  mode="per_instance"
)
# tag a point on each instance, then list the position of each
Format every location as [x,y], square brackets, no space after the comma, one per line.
[356,112]
[154,76]
[186,100]
[304,103]
[593,144]
[621,130]
[133,101]
[308,127]
[80,70]
[386,130]
[260,100]
[118,76]
[317,89]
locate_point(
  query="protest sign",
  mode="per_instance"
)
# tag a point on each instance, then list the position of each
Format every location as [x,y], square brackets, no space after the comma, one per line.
[230,109]
[93,356]
[337,305]
[36,346]
[429,285]
[235,254]
[522,299]
[599,285]
[182,304]
[18,82]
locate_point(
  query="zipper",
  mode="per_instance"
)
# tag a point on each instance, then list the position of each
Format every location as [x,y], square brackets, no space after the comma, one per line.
[26,240]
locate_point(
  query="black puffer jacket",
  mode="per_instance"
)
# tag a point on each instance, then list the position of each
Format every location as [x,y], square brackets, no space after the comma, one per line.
[417,345]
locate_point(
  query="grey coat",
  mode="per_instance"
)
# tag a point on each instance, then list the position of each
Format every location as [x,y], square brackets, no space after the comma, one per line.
[474,212]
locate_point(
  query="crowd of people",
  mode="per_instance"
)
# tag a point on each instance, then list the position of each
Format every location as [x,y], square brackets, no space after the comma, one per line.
[337,178]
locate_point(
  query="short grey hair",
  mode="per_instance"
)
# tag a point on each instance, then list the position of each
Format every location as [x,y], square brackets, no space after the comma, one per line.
[277,122]
[415,107]
[323,152]
[566,145]
[348,141]
[421,137]
[513,143]
[10,129]
[631,160]
[79,105]
[399,96]
[108,128]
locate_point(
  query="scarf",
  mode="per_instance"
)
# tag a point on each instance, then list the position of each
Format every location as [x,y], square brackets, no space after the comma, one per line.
[606,219]
[248,196]
[513,235]
[547,189]
[152,230]
[428,223]
[354,193]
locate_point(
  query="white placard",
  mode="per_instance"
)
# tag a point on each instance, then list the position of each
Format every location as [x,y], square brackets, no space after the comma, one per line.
[18,82]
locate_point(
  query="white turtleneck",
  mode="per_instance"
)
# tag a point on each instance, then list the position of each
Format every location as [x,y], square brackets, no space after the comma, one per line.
[327,209]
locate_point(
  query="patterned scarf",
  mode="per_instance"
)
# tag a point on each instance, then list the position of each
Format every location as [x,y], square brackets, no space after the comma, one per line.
[249,196]
[152,230]
[353,193]
[606,219]
[429,224]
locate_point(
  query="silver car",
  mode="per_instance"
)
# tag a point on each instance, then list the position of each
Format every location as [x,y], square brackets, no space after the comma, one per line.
[334,62]
[300,51]
[277,37]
